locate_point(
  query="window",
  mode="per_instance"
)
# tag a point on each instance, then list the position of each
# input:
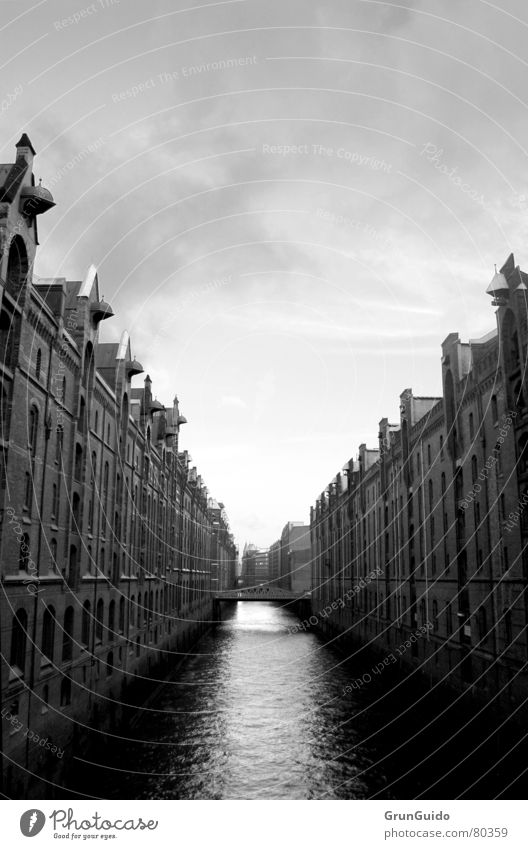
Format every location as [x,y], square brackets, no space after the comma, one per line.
[474,469]
[109,664]
[99,620]
[86,616]
[78,462]
[441,447]
[58,445]
[133,611]
[111,619]
[18,640]
[471,426]
[27,492]
[33,431]
[435,615]
[76,513]
[38,364]
[65,692]
[48,632]
[121,615]
[429,454]
[67,634]
[494,410]
[55,502]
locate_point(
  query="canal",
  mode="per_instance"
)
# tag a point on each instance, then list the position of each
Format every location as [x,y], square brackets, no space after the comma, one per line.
[257,712]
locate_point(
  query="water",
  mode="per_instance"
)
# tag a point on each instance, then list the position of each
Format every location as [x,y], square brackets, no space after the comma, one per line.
[260,713]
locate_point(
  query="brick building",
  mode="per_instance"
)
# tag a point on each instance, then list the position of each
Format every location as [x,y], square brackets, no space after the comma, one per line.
[224,553]
[433,519]
[105,529]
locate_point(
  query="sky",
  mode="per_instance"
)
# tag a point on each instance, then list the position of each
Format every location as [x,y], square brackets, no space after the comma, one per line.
[290,205]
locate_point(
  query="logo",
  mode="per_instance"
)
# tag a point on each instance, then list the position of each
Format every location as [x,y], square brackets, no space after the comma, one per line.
[32,822]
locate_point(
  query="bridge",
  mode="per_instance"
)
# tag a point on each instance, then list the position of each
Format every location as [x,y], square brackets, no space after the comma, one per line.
[260,594]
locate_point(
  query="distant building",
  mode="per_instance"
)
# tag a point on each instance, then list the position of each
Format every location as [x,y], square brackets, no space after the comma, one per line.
[254,565]
[295,567]
[274,563]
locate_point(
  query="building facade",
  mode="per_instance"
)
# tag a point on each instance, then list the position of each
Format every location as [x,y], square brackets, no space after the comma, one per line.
[430,528]
[255,566]
[106,531]
[295,560]
[224,553]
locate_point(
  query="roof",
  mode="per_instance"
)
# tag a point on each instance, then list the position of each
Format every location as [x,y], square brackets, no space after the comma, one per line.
[25,142]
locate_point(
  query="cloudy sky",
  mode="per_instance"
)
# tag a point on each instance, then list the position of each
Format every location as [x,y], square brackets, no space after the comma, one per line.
[290,203]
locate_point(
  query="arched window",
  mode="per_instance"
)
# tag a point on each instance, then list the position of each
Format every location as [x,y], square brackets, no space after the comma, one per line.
[17,267]
[81,424]
[471,426]
[76,513]
[133,611]
[110,664]
[474,469]
[67,634]
[38,364]
[33,430]
[121,615]
[111,619]
[443,483]
[86,617]
[55,501]
[435,615]
[78,462]
[48,632]
[58,445]
[19,640]
[441,447]
[99,617]
[494,410]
